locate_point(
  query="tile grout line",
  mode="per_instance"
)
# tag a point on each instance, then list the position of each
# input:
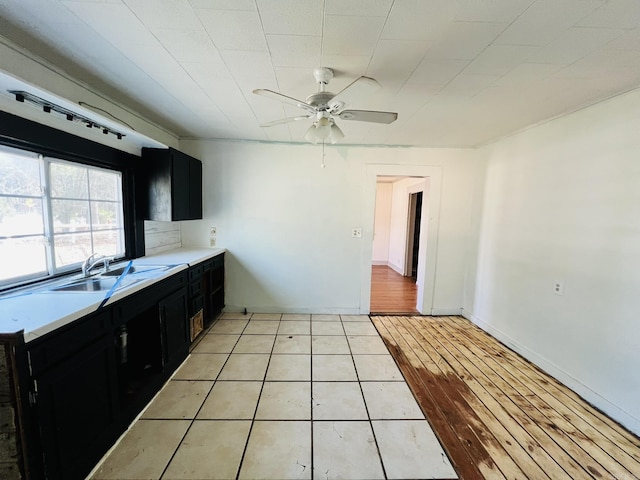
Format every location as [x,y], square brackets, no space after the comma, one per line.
[384,471]
[164,471]
[311,382]
[255,411]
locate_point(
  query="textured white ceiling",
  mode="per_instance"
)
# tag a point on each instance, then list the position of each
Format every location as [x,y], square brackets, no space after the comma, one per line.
[459,73]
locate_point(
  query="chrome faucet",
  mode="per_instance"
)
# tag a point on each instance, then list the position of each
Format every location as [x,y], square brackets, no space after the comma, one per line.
[93,261]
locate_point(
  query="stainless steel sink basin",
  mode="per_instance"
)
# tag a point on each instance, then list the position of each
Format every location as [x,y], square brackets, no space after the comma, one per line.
[116,272]
[93,284]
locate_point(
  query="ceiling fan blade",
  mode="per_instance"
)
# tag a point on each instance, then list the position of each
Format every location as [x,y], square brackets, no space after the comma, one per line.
[283,98]
[359,88]
[368,116]
[285,120]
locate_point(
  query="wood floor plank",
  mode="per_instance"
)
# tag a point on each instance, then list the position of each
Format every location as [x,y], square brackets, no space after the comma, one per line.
[609,442]
[575,443]
[531,425]
[486,428]
[449,390]
[392,292]
[412,368]
[494,403]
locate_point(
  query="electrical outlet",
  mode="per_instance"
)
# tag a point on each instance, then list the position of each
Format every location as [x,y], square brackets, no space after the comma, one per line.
[356,233]
[558,288]
[212,236]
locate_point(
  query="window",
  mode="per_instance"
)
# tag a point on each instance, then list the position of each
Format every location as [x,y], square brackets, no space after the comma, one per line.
[54,214]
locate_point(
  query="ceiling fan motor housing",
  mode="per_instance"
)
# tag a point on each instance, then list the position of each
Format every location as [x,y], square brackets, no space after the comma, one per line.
[323,75]
[320,100]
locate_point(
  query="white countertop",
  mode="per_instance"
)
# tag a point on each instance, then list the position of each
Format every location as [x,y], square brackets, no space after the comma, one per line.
[38,311]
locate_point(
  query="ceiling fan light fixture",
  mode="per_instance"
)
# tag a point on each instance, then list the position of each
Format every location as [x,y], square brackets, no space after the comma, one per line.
[310,135]
[335,135]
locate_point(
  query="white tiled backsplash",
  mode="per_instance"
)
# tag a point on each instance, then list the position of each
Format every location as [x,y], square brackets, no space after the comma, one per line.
[161,236]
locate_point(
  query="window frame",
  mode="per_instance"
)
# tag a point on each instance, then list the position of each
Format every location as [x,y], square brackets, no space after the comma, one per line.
[23,134]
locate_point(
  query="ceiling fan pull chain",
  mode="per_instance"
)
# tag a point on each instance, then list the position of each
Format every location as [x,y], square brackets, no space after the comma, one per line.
[322,165]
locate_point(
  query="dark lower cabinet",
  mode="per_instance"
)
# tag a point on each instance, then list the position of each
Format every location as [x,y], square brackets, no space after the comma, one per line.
[83,384]
[76,405]
[213,288]
[175,328]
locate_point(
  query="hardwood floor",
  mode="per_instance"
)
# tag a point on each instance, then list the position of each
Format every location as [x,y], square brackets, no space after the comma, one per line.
[499,416]
[391,292]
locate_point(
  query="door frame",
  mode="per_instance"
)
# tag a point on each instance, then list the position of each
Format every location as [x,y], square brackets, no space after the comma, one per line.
[429,224]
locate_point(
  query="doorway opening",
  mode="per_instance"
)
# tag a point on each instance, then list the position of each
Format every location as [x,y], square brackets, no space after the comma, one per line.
[413,237]
[397,243]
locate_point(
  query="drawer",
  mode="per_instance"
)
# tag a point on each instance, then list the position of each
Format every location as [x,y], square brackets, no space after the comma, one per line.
[64,342]
[195,273]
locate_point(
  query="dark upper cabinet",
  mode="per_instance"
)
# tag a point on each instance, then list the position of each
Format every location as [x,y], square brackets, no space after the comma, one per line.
[172,185]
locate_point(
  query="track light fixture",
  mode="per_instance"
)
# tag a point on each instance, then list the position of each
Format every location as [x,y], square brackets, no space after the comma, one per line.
[50,107]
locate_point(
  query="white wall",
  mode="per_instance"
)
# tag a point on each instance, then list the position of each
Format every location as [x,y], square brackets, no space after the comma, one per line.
[287,223]
[562,203]
[382,223]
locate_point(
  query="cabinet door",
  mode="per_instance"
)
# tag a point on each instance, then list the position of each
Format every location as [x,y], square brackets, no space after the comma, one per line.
[213,288]
[76,408]
[195,188]
[175,328]
[180,186]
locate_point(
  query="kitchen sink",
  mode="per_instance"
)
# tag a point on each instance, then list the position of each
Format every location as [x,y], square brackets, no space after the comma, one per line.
[93,284]
[116,272]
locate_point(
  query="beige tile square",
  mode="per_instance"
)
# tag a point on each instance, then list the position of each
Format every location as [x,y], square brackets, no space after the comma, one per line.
[377,367]
[295,327]
[266,316]
[255,344]
[330,345]
[245,366]
[327,328]
[261,327]
[231,400]
[140,455]
[278,450]
[409,449]
[201,366]
[228,326]
[292,344]
[325,318]
[367,345]
[211,450]
[289,367]
[360,328]
[216,343]
[345,450]
[178,399]
[333,368]
[296,316]
[390,400]
[235,316]
[285,401]
[338,401]
[355,318]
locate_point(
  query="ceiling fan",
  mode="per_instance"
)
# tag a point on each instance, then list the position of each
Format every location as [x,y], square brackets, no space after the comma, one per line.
[324,107]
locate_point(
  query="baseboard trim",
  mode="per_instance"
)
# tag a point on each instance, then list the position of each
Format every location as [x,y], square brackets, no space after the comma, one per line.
[318,310]
[445,311]
[595,399]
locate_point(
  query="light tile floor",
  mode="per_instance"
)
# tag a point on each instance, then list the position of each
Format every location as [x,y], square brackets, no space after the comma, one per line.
[292,396]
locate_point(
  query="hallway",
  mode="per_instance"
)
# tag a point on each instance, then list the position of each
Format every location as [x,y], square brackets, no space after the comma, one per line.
[391,292]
